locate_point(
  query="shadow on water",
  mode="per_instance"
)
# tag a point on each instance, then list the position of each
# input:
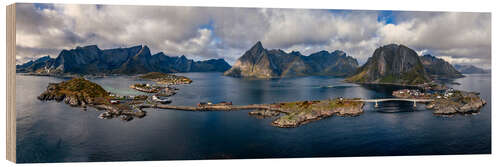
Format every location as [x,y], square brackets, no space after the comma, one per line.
[386,89]
[392,107]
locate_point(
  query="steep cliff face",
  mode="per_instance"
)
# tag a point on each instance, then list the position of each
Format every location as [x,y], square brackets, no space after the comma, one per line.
[137,64]
[392,64]
[334,63]
[439,68]
[133,60]
[254,63]
[259,62]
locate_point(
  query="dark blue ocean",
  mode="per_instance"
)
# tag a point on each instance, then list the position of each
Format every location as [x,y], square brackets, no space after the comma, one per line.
[55,132]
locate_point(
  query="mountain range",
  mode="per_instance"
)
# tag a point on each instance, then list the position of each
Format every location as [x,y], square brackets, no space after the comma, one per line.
[259,62]
[389,64]
[133,60]
[470,69]
[439,68]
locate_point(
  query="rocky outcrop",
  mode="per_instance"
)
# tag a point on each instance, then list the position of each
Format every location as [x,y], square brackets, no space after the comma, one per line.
[392,64]
[459,102]
[79,92]
[166,79]
[115,112]
[90,60]
[439,68]
[75,92]
[470,69]
[299,113]
[264,113]
[259,62]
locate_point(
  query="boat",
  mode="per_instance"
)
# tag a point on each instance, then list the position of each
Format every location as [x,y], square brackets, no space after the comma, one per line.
[160,100]
[105,115]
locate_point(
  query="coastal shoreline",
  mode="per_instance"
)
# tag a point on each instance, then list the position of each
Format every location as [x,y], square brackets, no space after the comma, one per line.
[75,93]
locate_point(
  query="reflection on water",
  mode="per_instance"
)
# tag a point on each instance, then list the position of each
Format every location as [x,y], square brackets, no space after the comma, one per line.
[55,132]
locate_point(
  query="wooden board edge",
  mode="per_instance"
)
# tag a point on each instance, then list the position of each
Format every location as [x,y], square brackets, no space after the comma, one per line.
[11,83]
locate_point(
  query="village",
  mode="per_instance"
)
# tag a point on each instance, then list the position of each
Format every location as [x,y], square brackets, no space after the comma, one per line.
[446,101]
[417,94]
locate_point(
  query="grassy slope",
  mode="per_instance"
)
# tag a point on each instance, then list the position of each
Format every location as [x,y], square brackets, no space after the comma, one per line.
[81,86]
[414,77]
[305,108]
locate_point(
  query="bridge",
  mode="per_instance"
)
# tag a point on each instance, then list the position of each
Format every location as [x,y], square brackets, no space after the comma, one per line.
[265,106]
[415,101]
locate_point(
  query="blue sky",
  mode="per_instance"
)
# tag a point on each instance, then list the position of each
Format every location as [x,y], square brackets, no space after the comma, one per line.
[206,32]
[386,17]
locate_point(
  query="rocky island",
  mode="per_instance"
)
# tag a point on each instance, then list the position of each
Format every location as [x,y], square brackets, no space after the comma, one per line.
[293,114]
[165,79]
[142,87]
[456,102]
[298,113]
[75,92]
[446,102]
[161,79]
[79,92]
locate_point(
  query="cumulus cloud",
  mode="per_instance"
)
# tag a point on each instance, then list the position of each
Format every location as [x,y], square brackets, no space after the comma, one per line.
[463,60]
[456,36]
[203,33]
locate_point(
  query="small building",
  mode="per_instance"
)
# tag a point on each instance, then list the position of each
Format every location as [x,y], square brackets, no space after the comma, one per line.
[225,103]
[201,104]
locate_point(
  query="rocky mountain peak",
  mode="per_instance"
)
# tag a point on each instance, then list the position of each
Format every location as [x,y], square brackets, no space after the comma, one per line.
[296,53]
[339,53]
[257,48]
[259,62]
[392,64]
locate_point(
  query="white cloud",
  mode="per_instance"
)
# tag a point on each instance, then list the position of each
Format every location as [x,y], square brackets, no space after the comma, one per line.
[203,33]
[422,52]
[456,36]
[460,60]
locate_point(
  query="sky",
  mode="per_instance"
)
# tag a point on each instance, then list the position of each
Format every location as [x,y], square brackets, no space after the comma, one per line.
[202,33]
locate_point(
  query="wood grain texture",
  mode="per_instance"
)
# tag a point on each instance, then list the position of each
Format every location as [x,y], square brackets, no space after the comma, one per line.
[11,83]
